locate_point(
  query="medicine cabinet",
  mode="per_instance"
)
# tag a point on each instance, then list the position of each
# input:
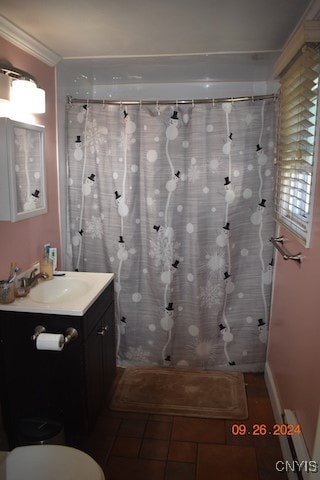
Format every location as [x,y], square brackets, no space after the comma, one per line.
[22,170]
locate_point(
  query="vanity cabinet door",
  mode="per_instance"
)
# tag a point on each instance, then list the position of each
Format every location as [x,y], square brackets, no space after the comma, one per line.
[93,374]
[38,383]
[108,350]
[100,362]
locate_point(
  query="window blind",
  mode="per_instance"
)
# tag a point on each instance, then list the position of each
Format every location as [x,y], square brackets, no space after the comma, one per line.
[299,95]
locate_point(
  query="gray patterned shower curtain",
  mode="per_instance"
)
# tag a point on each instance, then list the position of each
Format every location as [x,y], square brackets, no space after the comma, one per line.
[177,202]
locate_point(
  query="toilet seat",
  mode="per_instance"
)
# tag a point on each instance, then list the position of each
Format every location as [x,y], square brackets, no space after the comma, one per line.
[51,462]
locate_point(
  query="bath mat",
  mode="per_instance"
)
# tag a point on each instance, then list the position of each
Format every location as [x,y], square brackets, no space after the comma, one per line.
[181,392]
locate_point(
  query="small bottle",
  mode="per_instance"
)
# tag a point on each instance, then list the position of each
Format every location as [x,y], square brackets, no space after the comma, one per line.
[46,264]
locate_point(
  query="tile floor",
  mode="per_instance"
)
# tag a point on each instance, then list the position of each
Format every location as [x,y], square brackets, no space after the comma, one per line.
[131,446]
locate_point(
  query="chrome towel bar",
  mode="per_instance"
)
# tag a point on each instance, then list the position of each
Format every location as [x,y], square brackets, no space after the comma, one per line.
[277,242]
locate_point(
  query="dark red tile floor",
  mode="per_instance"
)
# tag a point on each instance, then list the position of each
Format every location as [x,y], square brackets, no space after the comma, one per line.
[131,446]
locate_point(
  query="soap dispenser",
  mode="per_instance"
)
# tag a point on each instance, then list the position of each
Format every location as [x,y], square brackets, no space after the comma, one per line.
[46,263]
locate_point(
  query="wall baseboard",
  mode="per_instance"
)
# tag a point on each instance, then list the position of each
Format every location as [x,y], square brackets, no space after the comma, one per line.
[300,451]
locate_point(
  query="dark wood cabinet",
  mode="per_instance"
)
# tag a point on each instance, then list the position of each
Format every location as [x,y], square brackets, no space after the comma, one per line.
[100,362]
[71,384]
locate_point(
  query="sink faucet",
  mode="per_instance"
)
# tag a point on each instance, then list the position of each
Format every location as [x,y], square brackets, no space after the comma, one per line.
[33,279]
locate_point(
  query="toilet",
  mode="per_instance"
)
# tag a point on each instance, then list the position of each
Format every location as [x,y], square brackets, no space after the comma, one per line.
[48,462]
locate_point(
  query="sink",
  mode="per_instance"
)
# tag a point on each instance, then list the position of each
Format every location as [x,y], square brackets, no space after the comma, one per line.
[68,293]
[58,290]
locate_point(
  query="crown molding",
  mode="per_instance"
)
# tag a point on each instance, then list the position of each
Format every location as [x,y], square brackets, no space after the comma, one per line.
[20,39]
[313,12]
[307,32]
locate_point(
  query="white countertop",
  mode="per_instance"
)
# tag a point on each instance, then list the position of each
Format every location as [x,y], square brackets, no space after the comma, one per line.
[76,304]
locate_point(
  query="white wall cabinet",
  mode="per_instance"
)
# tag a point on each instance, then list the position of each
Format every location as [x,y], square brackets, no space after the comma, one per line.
[22,171]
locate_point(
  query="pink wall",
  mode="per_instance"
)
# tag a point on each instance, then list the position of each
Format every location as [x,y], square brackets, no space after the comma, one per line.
[294,344]
[22,241]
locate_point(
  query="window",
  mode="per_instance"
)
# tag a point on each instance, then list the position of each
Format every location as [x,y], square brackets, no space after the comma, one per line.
[296,159]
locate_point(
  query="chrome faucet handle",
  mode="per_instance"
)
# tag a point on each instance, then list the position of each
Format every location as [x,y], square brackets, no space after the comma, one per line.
[24,281]
[33,274]
[33,279]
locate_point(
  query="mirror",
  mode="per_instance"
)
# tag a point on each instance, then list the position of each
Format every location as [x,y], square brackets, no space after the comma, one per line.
[22,171]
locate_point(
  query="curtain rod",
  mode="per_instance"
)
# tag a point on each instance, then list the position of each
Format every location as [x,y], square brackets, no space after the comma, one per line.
[72,100]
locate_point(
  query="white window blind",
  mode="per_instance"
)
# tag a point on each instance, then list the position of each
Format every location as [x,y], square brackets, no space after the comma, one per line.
[299,96]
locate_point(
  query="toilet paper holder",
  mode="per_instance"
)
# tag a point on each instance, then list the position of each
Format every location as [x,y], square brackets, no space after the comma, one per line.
[70,333]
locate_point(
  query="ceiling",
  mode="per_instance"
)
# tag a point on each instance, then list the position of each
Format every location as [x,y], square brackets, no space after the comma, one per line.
[161,40]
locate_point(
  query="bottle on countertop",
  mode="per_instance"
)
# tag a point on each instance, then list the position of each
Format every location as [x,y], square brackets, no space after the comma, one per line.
[46,263]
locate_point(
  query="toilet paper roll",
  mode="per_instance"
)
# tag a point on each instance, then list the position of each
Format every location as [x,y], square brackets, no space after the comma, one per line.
[50,341]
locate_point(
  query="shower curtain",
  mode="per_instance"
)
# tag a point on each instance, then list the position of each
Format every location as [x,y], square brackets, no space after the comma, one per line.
[177,202]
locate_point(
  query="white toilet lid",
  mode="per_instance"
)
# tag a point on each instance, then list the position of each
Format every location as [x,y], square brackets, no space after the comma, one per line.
[51,462]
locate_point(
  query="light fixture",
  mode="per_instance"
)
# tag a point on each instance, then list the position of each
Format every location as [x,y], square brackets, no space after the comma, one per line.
[24,94]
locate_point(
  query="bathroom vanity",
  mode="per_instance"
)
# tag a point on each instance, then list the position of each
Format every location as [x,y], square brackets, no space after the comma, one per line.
[71,384]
